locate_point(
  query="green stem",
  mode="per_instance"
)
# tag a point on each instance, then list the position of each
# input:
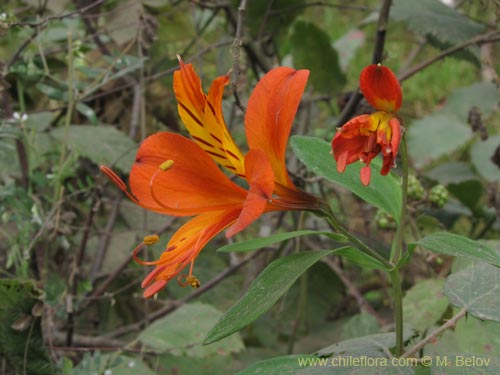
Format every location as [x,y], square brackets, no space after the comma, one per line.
[332,220]
[398,309]
[396,252]
[397,243]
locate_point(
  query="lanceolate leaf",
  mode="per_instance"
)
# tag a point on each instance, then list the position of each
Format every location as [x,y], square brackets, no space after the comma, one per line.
[383,192]
[454,244]
[265,290]
[259,243]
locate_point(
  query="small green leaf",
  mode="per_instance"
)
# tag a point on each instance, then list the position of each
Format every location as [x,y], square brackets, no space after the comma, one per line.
[259,243]
[467,192]
[101,144]
[452,173]
[483,95]
[264,291]
[182,332]
[384,191]
[308,42]
[481,153]
[357,256]
[88,112]
[477,288]
[51,91]
[454,244]
[424,304]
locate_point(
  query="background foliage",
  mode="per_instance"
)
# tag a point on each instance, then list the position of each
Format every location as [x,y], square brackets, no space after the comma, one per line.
[83,82]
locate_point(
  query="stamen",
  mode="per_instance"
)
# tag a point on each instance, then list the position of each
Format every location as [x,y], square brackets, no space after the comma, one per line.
[139,248]
[166,165]
[150,239]
[185,280]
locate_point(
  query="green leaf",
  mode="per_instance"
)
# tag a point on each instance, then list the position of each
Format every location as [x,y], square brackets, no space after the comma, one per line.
[308,42]
[374,346]
[424,304]
[452,173]
[360,325]
[483,95]
[88,112]
[481,153]
[384,191]
[52,92]
[101,144]
[467,192]
[357,256]
[115,364]
[182,332]
[477,288]
[259,243]
[21,341]
[264,291]
[454,244]
[286,365]
[433,18]
[436,135]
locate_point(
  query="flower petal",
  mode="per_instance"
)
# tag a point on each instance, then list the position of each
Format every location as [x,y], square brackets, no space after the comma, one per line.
[193,184]
[185,245]
[347,150]
[260,177]
[270,113]
[202,115]
[381,88]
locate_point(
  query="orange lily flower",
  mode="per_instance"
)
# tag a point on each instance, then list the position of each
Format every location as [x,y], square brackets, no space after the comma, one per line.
[178,176]
[363,137]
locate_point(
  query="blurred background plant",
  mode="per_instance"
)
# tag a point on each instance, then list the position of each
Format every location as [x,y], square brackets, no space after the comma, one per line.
[83,82]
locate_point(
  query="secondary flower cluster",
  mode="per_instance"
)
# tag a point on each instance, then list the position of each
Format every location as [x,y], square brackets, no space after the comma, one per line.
[364,137]
[178,176]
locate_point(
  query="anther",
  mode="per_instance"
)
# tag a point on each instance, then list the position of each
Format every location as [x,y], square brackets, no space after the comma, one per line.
[150,239]
[166,165]
[185,280]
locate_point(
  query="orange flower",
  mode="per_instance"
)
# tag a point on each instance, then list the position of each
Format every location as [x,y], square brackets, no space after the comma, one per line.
[363,137]
[178,176]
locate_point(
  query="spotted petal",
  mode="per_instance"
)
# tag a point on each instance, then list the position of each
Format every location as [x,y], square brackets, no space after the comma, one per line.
[202,115]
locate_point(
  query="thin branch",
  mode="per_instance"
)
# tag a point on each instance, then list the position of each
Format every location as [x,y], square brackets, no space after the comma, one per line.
[378,51]
[449,324]
[236,48]
[493,36]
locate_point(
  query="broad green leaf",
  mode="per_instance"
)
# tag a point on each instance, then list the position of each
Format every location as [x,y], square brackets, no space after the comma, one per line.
[182,333]
[435,19]
[277,23]
[112,364]
[477,288]
[452,173]
[384,191]
[436,135]
[454,244]
[424,304]
[286,365]
[259,243]
[483,95]
[374,346]
[481,153]
[467,192]
[101,144]
[470,336]
[264,291]
[360,325]
[308,42]
[21,342]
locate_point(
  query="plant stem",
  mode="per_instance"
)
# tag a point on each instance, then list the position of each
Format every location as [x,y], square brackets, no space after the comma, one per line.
[398,309]
[332,220]
[397,243]
[396,252]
